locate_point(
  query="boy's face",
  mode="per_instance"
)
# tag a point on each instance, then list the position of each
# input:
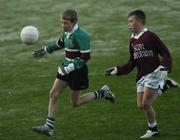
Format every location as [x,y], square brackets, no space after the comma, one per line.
[134,24]
[67,25]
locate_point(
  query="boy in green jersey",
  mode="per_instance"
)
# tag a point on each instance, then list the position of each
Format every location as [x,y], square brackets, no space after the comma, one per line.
[73,72]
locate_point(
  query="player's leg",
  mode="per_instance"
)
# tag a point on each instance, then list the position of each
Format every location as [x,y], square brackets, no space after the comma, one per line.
[170,83]
[140,92]
[85,98]
[77,100]
[79,81]
[55,91]
[74,99]
[150,95]
[104,92]
[139,99]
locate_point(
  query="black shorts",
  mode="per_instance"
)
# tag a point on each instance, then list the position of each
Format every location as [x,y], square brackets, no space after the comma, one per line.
[77,79]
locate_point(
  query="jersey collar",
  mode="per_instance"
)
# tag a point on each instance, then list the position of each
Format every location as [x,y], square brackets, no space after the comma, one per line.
[73,30]
[136,36]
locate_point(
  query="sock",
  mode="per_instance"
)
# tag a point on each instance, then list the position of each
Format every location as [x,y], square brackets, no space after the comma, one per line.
[165,87]
[153,126]
[99,94]
[50,122]
[171,83]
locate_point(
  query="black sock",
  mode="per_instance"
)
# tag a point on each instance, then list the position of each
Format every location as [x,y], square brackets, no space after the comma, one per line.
[99,94]
[165,87]
[50,122]
[155,128]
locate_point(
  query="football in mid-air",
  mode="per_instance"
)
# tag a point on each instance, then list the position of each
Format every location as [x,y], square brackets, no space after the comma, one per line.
[29,35]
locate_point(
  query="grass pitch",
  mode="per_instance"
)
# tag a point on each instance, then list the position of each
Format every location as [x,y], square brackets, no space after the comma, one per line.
[25,82]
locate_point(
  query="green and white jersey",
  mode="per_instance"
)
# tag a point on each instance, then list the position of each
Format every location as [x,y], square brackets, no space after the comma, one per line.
[76,44]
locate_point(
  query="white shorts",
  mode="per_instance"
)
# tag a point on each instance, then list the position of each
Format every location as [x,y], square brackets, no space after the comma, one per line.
[150,81]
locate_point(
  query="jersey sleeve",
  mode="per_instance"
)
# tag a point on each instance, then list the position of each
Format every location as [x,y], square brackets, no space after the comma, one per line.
[58,44]
[128,67]
[164,52]
[83,42]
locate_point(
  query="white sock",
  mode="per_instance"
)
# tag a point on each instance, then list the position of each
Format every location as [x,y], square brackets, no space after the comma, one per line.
[151,125]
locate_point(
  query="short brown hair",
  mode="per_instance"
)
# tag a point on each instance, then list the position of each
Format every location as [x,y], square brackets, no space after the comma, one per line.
[139,14]
[70,14]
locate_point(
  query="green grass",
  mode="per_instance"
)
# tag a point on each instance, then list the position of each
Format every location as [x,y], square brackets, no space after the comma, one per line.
[25,82]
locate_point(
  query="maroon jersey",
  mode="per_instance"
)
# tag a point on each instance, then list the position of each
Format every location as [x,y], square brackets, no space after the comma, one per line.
[145,50]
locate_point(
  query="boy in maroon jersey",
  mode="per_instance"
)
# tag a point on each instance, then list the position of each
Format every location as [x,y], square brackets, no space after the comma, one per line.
[145,50]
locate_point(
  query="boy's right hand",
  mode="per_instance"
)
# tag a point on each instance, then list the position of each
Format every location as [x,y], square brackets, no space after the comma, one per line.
[39,53]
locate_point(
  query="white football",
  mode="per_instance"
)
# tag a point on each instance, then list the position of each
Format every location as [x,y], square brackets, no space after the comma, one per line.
[29,35]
